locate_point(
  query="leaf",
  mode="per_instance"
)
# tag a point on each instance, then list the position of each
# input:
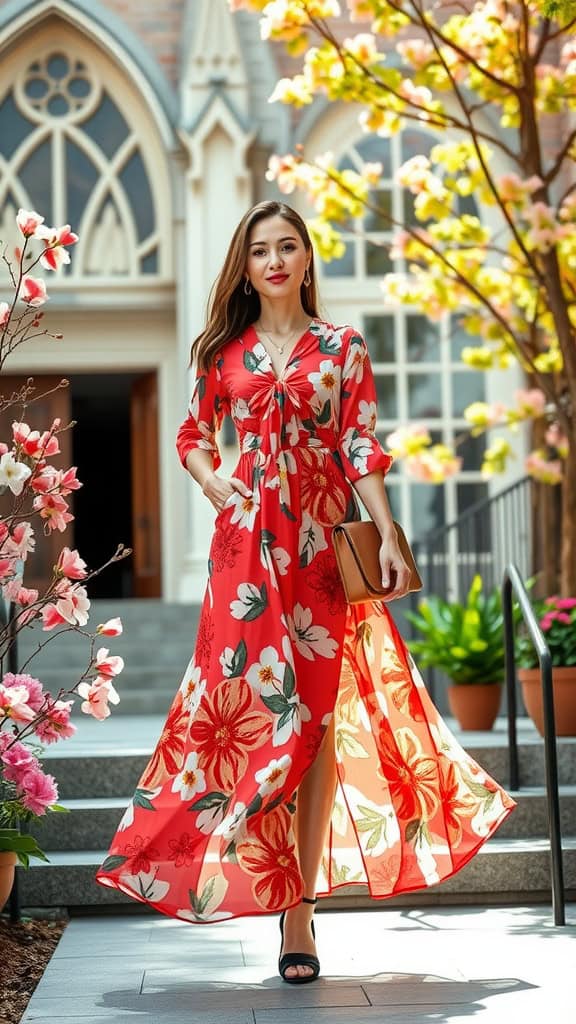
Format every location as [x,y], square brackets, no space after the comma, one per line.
[111,863]
[411,830]
[141,800]
[205,803]
[276,703]
[348,744]
[290,515]
[329,346]
[289,684]
[267,537]
[238,663]
[251,362]
[254,806]
[230,853]
[324,415]
[476,788]
[273,804]
[207,894]
[201,387]
[59,809]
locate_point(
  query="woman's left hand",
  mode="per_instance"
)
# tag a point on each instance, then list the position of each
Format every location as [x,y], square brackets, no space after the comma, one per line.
[394,568]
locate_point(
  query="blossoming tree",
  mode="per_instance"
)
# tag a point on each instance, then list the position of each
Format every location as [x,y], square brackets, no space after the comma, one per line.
[495,81]
[33,491]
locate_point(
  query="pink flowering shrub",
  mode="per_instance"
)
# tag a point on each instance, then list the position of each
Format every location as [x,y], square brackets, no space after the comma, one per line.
[557,617]
[35,494]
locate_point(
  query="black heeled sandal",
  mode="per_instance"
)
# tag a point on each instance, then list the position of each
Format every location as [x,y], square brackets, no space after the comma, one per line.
[298,959]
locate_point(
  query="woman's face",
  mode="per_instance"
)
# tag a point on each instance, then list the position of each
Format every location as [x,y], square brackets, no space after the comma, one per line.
[277,258]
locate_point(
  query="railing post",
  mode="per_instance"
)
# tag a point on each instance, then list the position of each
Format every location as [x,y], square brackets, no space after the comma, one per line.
[551,763]
[513,580]
[510,667]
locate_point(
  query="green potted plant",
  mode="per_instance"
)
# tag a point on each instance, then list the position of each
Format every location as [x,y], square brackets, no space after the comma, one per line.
[466,642]
[557,617]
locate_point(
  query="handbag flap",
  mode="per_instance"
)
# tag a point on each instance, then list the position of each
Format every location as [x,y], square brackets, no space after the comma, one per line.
[364,541]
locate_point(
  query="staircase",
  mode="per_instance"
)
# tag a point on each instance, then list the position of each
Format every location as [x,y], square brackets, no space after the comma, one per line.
[97,780]
[97,771]
[156,645]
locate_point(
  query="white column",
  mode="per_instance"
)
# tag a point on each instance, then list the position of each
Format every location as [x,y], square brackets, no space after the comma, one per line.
[217,195]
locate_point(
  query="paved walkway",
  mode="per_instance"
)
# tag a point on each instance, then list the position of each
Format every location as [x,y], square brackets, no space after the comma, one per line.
[449,965]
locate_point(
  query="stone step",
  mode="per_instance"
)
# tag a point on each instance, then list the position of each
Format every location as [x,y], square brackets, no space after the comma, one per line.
[91,823]
[116,770]
[510,870]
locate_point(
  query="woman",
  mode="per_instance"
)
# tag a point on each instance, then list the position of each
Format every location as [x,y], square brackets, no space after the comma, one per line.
[301,752]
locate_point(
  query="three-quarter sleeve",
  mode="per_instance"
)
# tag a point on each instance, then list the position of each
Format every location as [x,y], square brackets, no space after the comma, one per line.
[360,450]
[205,414]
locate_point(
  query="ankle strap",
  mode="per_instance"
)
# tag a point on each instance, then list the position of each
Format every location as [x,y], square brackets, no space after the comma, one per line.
[306,900]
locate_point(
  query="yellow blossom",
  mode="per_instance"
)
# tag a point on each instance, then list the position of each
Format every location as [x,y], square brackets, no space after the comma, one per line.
[480,358]
[496,457]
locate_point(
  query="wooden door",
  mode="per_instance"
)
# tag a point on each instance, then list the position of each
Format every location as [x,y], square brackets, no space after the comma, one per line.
[54,402]
[146,562]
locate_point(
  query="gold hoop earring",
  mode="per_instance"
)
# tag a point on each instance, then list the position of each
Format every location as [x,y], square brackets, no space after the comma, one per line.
[247,286]
[307,279]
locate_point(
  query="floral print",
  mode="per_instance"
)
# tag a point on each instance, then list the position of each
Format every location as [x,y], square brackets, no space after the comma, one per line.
[208,834]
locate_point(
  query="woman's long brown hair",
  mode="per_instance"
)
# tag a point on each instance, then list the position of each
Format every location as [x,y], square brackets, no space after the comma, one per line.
[230,310]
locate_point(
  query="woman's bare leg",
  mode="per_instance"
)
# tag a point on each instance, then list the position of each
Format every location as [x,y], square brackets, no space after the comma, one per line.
[313,810]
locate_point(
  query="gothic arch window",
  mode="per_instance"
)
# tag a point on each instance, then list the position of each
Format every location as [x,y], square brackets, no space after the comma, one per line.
[418,371]
[77,144]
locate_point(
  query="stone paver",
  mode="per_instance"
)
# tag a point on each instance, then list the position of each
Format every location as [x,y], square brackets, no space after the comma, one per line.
[379,967]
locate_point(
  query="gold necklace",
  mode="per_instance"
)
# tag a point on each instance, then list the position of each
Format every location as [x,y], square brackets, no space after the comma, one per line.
[280,348]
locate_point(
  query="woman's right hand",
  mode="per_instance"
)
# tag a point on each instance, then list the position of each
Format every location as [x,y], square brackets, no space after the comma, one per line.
[218,489]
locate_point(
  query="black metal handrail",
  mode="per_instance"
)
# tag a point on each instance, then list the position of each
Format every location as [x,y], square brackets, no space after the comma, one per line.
[512,581]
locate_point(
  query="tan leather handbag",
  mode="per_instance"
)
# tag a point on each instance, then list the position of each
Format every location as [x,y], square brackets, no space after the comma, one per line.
[357,549]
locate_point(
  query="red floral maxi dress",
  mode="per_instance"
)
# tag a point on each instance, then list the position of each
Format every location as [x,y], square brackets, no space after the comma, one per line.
[208,834]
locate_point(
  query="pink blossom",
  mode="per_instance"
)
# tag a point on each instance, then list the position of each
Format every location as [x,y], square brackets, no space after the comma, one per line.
[73,605]
[566,603]
[51,617]
[414,174]
[530,401]
[14,703]
[54,257]
[33,291]
[96,697]
[57,725]
[28,221]
[549,471]
[4,313]
[3,532]
[35,444]
[55,254]
[556,616]
[113,627]
[38,791]
[16,761]
[32,685]
[108,667]
[7,567]
[71,565]
[67,481]
[14,591]
[21,541]
[417,95]
[513,189]
[417,52]
[45,480]
[53,508]
[544,228]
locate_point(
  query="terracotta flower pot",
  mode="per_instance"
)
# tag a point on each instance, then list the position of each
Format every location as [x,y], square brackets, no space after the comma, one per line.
[564,688]
[8,861]
[475,705]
